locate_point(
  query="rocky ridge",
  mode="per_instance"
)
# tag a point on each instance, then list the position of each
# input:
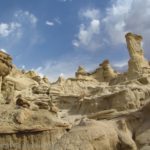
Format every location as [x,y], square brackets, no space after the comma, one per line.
[99,110]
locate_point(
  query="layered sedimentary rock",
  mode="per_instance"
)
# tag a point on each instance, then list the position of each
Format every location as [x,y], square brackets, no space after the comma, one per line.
[5,64]
[104,73]
[137,62]
[98,110]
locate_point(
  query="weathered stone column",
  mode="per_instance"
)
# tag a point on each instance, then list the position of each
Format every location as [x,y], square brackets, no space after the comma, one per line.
[137,61]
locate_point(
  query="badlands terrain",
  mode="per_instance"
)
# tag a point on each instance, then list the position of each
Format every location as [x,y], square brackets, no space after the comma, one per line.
[99,110]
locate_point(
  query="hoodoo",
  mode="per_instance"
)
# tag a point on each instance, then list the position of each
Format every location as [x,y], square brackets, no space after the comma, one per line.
[98,110]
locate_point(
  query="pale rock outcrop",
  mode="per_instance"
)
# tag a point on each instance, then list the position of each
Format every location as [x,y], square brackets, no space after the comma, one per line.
[104,73]
[31,74]
[99,110]
[137,63]
[94,135]
[81,72]
[108,72]
[5,64]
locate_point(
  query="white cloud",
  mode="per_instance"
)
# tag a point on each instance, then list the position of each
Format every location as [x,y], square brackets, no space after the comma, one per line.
[54,22]
[26,16]
[89,30]
[57,20]
[121,63]
[120,66]
[20,32]
[113,23]
[22,19]
[75,43]
[127,16]
[90,13]
[60,67]
[50,23]
[6,29]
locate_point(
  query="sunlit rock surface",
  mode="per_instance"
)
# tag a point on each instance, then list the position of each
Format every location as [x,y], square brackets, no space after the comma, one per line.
[98,110]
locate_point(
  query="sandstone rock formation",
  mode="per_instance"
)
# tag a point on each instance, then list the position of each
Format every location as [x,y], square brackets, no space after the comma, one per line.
[5,64]
[137,62]
[104,73]
[99,110]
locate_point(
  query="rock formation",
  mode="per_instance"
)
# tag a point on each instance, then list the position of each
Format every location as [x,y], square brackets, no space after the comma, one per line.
[137,62]
[104,73]
[5,64]
[99,110]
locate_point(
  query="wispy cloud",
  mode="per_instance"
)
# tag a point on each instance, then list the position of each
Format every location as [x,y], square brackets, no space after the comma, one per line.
[57,20]
[53,22]
[127,16]
[50,23]
[89,30]
[55,68]
[22,30]
[26,16]
[65,0]
[7,29]
[120,66]
[116,20]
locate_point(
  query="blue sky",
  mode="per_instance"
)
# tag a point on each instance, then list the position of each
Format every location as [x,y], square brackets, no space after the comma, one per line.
[54,37]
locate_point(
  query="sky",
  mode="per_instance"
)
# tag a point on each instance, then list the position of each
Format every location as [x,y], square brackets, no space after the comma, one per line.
[54,37]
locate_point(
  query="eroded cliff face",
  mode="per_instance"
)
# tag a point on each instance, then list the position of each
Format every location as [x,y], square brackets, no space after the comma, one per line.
[99,110]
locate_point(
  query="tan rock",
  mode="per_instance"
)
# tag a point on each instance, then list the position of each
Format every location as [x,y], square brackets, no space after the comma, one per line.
[81,72]
[22,115]
[104,73]
[31,74]
[92,135]
[5,64]
[137,61]
[42,105]
[22,102]
[108,72]
[46,80]
[116,105]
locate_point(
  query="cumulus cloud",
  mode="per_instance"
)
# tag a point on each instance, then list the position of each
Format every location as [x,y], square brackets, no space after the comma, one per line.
[115,20]
[113,23]
[89,30]
[127,16]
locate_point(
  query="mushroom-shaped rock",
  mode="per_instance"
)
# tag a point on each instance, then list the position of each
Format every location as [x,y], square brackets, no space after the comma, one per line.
[108,72]
[80,72]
